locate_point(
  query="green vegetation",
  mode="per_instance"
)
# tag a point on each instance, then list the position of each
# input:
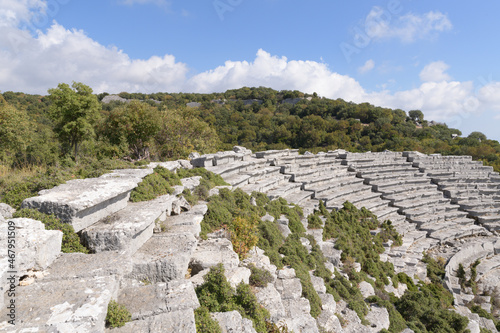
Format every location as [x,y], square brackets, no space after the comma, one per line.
[158,183]
[259,277]
[70,241]
[217,295]
[117,315]
[204,322]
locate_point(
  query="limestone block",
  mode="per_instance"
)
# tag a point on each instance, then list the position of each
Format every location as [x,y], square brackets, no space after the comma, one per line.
[177,321]
[328,302]
[212,252]
[331,253]
[318,283]
[164,257]
[188,221]
[126,230]
[378,317]
[83,202]
[35,247]
[236,275]
[270,298]
[233,322]
[289,288]
[191,183]
[150,300]
[257,257]
[6,211]
[64,306]
[76,266]
[286,273]
[366,289]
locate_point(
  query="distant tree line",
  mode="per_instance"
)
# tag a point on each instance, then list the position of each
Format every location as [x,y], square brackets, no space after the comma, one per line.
[71,123]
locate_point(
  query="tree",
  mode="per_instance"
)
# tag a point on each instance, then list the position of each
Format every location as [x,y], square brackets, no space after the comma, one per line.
[416,116]
[15,131]
[75,111]
[134,124]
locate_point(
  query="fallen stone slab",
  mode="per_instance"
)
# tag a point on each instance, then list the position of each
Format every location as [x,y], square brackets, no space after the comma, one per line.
[83,202]
[35,248]
[212,252]
[298,318]
[77,266]
[178,321]
[189,221]
[128,229]
[233,322]
[63,306]
[164,257]
[148,300]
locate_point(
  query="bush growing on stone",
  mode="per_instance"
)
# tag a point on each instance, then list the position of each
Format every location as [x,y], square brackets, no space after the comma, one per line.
[244,235]
[117,315]
[154,185]
[70,241]
[259,277]
[217,295]
[204,322]
[190,197]
[210,177]
[314,222]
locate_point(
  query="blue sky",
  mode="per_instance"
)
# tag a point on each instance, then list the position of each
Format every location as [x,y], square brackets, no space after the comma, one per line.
[436,56]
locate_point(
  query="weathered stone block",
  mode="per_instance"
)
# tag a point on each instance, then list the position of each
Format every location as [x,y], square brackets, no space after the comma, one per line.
[83,202]
[164,257]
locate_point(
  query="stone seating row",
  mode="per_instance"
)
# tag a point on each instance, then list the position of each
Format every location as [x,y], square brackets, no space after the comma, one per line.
[412,192]
[474,187]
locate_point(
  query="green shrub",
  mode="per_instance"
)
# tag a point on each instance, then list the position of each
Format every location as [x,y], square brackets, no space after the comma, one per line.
[190,197]
[117,315]
[314,222]
[217,295]
[70,241]
[154,185]
[204,322]
[259,277]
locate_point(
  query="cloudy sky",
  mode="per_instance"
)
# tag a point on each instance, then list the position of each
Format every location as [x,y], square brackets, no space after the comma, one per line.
[437,56]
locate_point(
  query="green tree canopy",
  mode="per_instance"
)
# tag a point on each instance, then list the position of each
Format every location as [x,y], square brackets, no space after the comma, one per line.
[134,124]
[75,111]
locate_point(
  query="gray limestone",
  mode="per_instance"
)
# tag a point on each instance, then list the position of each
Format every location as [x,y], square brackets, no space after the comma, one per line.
[35,247]
[378,318]
[164,257]
[212,252]
[128,229]
[177,321]
[232,322]
[83,202]
[6,211]
[147,300]
[187,221]
[64,305]
[270,298]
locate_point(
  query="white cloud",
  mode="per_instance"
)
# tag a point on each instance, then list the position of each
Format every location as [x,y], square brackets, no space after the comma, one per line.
[368,66]
[435,72]
[278,73]
[14,12]
[34,64]
[380,24]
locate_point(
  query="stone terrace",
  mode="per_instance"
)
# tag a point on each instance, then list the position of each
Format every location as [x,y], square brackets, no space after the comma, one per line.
[149,256]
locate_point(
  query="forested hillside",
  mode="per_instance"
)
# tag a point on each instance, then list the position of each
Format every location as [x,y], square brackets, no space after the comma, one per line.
[71,128]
